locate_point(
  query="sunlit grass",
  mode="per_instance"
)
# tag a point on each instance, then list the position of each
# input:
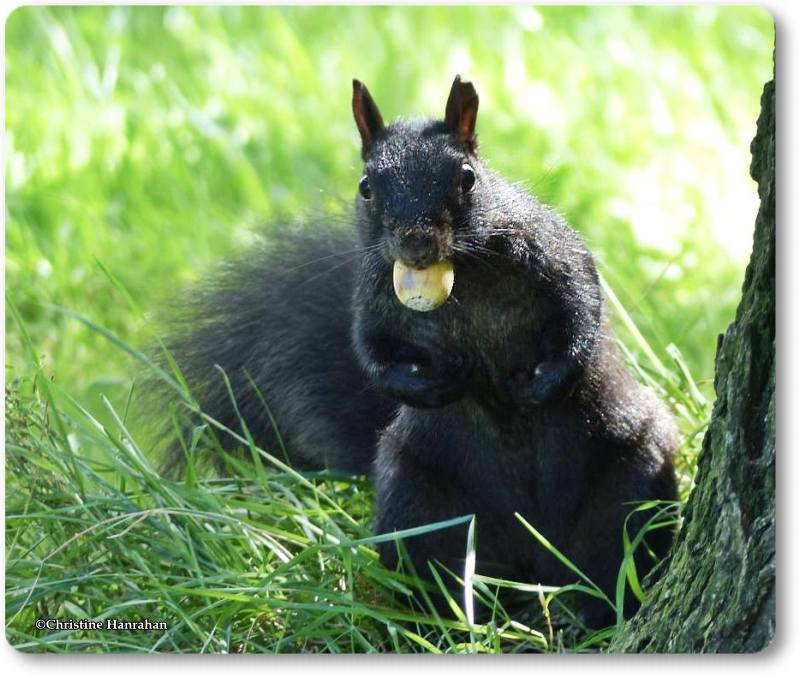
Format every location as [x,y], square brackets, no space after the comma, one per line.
[153,139]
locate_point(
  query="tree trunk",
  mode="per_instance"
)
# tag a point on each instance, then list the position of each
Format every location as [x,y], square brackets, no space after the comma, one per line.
[717,593]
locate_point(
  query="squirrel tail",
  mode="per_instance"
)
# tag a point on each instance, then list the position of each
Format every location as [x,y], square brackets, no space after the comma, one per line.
[266,341]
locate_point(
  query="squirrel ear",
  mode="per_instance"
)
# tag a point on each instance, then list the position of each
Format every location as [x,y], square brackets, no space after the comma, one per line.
[368,117]
[462,111]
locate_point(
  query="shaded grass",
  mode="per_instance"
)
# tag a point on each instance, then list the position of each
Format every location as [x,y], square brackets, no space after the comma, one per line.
[269,561]
[262,560]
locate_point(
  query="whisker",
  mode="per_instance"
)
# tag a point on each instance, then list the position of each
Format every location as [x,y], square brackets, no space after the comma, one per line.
[332,268]
[358,251]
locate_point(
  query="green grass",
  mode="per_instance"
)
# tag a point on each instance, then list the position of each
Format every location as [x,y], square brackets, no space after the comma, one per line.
[144,144]
[263,560]
[153,140]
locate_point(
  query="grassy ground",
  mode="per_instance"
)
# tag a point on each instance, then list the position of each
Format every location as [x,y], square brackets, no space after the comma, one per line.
[262,560]
[142,144]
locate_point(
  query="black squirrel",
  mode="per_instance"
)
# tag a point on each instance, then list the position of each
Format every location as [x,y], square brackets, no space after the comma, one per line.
[510,397]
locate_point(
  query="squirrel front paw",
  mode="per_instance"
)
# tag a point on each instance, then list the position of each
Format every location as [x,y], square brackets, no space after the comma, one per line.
[549,381]
[424,386]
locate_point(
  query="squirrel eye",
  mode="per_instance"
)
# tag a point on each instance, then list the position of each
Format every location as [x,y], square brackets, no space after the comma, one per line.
[467,178]
[364,189]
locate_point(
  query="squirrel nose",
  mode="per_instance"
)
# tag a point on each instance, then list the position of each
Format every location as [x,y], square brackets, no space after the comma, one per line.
[418,250]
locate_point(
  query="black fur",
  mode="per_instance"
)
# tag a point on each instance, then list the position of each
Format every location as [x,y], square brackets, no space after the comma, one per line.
[279,318]
[511,397]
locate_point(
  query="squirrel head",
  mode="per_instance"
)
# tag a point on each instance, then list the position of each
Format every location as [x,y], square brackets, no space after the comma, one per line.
[422,178]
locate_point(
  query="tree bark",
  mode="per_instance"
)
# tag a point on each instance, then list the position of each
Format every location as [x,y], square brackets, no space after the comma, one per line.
[717,593]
